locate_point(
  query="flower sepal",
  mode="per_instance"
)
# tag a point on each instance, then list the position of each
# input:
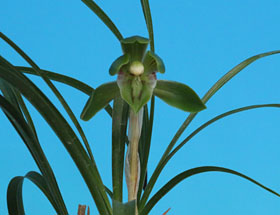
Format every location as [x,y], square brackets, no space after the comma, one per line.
[99,99]
[178,95]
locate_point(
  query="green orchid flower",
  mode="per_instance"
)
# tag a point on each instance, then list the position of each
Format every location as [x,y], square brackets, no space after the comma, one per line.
[137,82]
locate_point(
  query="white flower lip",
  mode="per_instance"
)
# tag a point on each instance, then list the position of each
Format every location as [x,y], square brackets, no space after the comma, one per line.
[136,68]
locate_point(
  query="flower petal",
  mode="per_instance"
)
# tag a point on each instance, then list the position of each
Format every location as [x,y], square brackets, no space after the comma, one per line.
[153,63]
[118,64]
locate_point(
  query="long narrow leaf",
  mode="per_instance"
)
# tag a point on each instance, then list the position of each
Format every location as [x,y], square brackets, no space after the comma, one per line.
[119,127]
[149,23]
[221,82]
[104,18]
[65,80]
[26,113]
[53,88]
[69,139]
[14,192]
[144,149]
[109,192]
[9,93]
[14,196]
[15,98]
[186,174]
[31,141]
[221,116]
[214,89]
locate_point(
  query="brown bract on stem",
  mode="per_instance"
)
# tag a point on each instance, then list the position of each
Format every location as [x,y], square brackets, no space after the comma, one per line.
[82,210]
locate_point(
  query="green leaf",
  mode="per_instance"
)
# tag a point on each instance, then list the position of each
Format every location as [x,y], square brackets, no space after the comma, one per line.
[153,63]
[118,64]
[119,127]
[221,116]
[109,192]
[144,150]
[149,23]
[54,90]
[178,95]
[65,80]
[221,82]
[35,149]
[214,89]
[87,167]
[82,87]
[128,208]
[135,47]
[14,192]
[186,174]
[99,99]
[165,160]
[10,94]
[14,97]
[104,18]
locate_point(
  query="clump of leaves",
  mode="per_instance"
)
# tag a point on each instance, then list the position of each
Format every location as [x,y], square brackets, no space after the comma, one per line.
[135,88]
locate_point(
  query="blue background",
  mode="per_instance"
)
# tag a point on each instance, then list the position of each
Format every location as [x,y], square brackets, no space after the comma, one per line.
[199,42]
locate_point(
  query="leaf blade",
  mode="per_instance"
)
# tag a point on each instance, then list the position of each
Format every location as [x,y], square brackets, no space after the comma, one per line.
[66,135]
[54,90]
[104,18]
[191,172]
[14,192]
[65,80]
[119,127]
[148,19]
[213,120]
[218,85]
[35,149]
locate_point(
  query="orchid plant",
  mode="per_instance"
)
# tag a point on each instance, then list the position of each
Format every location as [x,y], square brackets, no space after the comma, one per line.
[132,122]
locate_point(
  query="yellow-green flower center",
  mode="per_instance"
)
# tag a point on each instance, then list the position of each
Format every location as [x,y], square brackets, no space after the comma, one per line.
[136,68]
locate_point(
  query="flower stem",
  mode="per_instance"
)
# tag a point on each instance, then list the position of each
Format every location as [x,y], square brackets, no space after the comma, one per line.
[132,162]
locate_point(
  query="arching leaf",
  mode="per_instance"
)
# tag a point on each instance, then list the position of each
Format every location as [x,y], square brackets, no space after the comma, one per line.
[87,167]
[35,149]
[104,18]
[14,192]
[64,79]
[191,172]
[218,85]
